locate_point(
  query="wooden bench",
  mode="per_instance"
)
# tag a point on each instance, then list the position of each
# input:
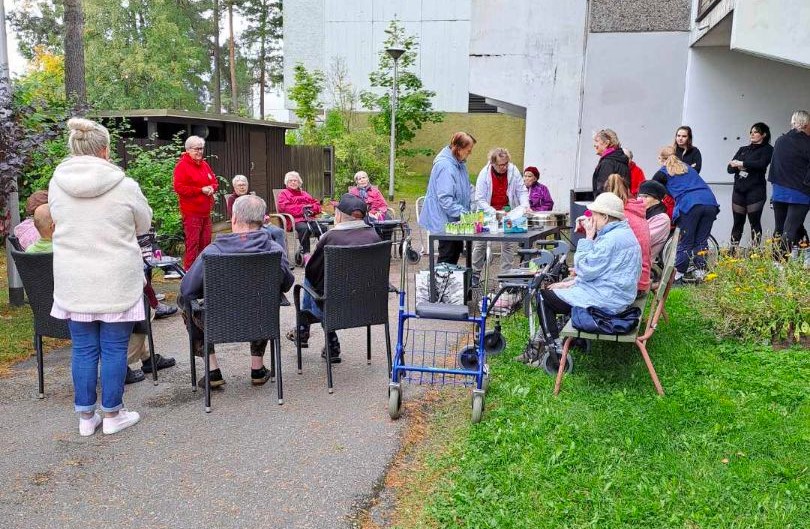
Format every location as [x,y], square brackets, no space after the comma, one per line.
[657,300]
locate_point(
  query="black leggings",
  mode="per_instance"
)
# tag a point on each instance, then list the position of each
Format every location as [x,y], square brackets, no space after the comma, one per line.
[549,305]
[748,204]
[790,223]
[305,230]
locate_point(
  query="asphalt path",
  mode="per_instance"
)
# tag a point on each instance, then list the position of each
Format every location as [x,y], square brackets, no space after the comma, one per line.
[250,463]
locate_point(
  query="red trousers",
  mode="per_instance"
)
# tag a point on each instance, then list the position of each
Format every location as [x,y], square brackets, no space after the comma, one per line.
[198,235]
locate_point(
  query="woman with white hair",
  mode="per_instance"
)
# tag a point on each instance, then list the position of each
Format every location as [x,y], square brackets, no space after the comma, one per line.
[292,201]
[195,184]
[240,187]
[790,176]
[94,205]
[607,266]
[371,195]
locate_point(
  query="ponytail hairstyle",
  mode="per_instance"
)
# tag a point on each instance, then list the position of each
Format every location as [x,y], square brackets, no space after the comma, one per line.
[673,164]
[615,184]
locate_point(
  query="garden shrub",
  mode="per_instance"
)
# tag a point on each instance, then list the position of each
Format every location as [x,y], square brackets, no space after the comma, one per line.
[753,297]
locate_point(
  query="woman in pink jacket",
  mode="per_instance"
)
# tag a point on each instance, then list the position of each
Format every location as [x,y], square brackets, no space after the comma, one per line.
[377,206]
[292,201]
[635,213]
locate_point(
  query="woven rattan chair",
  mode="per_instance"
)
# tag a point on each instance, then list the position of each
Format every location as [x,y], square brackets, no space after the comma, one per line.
[355,295]
[242,293]
[36,272]
[15,243]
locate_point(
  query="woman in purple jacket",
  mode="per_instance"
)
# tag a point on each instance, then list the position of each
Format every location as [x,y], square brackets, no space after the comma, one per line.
[539,196]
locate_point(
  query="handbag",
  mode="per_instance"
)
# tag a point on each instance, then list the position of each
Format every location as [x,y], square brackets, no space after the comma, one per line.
[451,284]
[597,321]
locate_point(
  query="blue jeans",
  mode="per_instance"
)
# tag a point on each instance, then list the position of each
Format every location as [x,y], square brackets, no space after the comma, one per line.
[92,342]
[696,226]
[308,304]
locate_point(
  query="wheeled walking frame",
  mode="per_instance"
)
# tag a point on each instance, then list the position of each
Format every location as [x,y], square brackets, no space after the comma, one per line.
[438,343]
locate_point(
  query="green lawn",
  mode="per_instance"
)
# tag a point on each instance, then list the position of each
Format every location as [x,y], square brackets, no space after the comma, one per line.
[16,325]
[410,189]
[727,447]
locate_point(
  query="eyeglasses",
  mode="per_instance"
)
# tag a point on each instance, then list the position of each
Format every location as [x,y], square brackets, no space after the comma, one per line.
[197,149]
[502,165]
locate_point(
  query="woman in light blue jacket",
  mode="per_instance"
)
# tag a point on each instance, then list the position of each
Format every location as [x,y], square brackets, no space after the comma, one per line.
[607,266]
[448,193]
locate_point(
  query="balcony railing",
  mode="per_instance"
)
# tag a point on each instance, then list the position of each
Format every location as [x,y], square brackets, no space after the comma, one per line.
[704,7]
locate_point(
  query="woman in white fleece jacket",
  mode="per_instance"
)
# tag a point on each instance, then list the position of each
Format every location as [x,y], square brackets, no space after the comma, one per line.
[98,271]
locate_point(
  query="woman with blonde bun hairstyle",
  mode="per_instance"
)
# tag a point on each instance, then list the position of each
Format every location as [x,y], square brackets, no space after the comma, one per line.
[94,205]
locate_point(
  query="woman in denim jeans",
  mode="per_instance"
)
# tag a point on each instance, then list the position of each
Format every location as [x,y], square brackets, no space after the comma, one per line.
[96,207]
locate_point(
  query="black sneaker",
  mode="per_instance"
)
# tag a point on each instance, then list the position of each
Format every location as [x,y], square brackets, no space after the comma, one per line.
[216,379]
[164,311]
[335,356]
[162,362]
[259,376]
[134,375]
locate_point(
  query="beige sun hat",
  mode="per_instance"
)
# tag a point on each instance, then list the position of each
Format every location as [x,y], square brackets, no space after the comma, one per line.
[609,204]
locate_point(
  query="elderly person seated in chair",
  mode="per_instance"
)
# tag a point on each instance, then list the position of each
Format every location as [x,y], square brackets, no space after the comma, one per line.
[240,188]
[652,194]
[350,230]
[247,237]
[371,195]
[607,267]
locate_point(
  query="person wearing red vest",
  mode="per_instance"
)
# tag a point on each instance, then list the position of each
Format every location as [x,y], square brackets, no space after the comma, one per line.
[636,174]
[195,184]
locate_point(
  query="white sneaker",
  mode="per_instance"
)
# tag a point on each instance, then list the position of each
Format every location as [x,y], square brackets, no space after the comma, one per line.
[88,427]
[124,419]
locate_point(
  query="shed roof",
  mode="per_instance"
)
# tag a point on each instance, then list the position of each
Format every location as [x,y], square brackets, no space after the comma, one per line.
[191,116]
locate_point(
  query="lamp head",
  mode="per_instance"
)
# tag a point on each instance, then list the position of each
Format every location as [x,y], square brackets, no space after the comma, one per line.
[395,51]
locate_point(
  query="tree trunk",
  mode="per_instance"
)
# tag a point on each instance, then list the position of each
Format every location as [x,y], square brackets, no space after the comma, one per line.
[217,85]
[262,76]
[232,56]
[75,87]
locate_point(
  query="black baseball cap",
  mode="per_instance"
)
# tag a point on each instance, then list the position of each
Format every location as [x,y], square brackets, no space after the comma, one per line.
[349,204]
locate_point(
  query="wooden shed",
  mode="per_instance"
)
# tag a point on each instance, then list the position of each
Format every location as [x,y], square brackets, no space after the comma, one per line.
[235,145]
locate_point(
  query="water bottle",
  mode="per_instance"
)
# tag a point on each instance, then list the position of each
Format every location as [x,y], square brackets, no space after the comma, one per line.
[158,254]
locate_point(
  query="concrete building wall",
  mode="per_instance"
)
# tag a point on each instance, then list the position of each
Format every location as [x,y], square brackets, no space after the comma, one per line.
[634,84]
[539,70]
[317,31]
[726,93]
[774,29]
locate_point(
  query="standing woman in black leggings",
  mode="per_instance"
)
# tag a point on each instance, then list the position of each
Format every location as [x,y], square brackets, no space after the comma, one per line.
[748,197]
[790,177]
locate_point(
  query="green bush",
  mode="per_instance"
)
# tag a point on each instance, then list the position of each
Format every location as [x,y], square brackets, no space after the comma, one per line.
[152,167]
[754,298]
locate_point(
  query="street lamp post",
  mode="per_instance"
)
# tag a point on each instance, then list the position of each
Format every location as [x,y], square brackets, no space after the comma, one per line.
[395,51]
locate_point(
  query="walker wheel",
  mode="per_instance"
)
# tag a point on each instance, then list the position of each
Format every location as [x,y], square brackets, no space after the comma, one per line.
[550,362]
[412,256]
[468,358]
[299,258]
[394,402]
[494,342]
[477,407]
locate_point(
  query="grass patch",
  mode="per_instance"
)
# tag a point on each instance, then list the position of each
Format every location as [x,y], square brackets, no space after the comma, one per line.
[16,328]
[409,189]
[725,448]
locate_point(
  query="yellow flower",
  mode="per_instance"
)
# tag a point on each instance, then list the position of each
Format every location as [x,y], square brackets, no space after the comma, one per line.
[711,276]
[754,256]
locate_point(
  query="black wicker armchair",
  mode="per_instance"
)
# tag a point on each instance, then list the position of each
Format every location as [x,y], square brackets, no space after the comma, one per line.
[36,272]
[242,295]
[355,295]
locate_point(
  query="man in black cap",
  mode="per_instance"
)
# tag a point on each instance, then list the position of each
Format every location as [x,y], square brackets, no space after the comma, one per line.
[652,193]
[350,230]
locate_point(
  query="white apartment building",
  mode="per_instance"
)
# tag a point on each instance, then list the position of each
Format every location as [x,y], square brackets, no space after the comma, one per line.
[641,67]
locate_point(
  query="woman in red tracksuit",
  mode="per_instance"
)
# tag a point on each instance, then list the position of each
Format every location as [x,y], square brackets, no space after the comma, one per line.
[195,184]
